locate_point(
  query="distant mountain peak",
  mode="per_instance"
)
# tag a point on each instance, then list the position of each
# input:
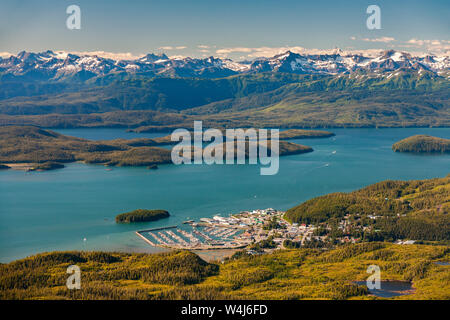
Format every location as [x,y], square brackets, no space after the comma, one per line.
[151,57]
[338,51]
[285,55]
[58,66]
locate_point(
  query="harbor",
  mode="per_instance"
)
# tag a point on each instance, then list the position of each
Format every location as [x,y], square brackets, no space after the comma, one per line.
[194,237]
[227,232]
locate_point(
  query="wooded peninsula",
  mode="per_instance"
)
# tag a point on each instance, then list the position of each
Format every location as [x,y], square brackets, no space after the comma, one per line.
[35,146]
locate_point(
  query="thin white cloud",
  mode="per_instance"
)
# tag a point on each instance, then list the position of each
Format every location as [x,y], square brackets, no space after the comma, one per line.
[430,45]
[6,54]
[169,48]
[177,57]
[106,54]
[381,39]
[423,46]
[232,50]
[203,46]
[425,42]
[258,52]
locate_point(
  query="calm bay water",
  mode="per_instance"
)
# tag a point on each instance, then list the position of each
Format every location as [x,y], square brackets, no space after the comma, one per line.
[74,208]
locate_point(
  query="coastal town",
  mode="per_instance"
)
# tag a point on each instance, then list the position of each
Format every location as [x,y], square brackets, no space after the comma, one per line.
[235,231]
[258,231]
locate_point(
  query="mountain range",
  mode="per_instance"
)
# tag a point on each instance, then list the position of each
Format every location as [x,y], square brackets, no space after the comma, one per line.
[58,66]
[155,92]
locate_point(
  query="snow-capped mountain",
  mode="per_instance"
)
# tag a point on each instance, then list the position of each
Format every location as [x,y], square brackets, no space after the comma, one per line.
[57,66]
[339,63]
[49,65]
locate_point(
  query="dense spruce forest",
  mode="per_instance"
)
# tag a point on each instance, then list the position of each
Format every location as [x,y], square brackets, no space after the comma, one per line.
[301,273]
[417,209]
[422,144]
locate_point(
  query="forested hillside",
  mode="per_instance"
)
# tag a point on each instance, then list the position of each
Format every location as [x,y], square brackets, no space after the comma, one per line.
[301,273]
[388,210]
[265,99]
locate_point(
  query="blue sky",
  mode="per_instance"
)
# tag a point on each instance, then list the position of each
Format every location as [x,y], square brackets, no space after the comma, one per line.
[233,28]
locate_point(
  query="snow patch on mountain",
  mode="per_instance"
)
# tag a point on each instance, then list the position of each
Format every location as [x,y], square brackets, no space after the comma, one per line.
[59,65]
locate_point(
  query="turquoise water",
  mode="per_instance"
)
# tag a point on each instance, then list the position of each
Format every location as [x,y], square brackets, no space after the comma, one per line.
[57,210]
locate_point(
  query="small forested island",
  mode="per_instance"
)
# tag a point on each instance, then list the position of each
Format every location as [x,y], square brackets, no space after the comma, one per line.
[50,165]
[141,215]
[422,144]
[4,167]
